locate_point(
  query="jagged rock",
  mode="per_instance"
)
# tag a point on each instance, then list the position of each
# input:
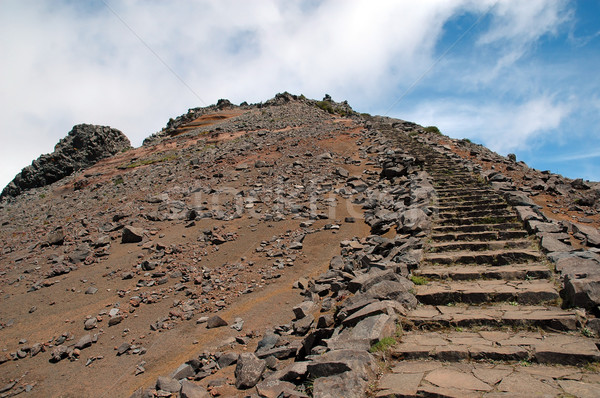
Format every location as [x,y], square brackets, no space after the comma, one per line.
[123,348]
[583,292]
[227,359]
[551,244]
[56,237]
[83,146]
[90,323]
[248,371]
[184,371]
[268,341]
[414,220]
[302,326]
[191,390]
[303,309]
[59,353]
[275,388]
[132,234]
[591,234]
[365,333]
[579,184]
[347,385]
[84,342]
[339,361]
[398,290]
[168,384]
[215,321]
[365,281]
[388,307]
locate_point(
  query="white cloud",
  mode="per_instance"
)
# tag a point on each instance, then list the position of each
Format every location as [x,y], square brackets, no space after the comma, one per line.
[68,62]
[500,127]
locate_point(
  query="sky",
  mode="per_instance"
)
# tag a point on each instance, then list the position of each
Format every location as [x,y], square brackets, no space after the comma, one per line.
[517,76]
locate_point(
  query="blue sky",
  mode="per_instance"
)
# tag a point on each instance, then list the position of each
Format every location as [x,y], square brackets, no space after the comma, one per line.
[516,76]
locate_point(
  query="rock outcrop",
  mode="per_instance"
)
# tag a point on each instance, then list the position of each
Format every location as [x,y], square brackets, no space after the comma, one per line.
[84,146]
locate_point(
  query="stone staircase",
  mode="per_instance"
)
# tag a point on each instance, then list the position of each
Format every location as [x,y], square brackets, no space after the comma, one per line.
[489,322]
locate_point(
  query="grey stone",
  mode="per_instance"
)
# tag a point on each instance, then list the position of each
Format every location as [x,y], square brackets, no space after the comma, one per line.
[268,341]
[347,385]
[303,309]
[592,235]
[339,361]
[248,371]
[371,330]
[90,323]
[551,244]
[184,371]
[378,307]
[84,342]
[91,290]
[302,326]
[398,290]
[56,237]
[365,281]
[337,262]
[191,390]
[275,388]
[168,384]
[115,320]
[582,292]
[132,234]
[215,321]
[414,220]
[123,348]
[227,359]
[59,353]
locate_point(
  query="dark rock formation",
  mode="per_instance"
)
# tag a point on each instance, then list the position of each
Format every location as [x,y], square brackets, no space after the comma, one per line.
[85,145]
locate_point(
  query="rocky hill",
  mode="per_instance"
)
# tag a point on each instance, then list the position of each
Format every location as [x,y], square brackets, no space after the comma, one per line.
[297,248]
[83,147]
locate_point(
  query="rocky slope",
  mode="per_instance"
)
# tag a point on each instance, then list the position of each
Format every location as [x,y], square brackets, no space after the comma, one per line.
[297,248]
[85,145]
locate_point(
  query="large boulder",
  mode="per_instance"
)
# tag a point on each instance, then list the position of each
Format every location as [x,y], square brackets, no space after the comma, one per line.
[583,292]
[84,146]
[248,370]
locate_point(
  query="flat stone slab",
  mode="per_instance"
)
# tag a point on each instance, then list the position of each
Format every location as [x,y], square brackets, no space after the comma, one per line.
[547,348]
[416,378]
[472,272]
[490,257]
[479,235]
[553,318]
[487,291]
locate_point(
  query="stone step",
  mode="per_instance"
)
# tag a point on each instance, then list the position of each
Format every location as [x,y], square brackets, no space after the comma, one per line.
[479,245]
[430,378]
[471,272]
[488,213]
[478,198]
[488,219]
[453,178]
[539,346]
[479,236]
[487,291]
[453,181]
[464,315]
[489,257]
[452,192]
[474,207]
[438,229]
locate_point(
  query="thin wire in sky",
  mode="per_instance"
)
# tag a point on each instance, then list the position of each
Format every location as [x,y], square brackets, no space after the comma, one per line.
[154,52]
[418,80]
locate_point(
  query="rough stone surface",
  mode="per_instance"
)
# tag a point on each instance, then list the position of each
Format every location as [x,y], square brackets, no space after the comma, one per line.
[248,370]
[84,146]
